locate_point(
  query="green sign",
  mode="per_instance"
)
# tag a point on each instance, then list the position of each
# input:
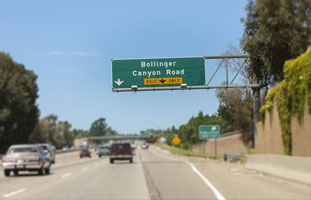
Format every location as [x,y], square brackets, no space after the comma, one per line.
[144,133]
[209,132]
[158,72]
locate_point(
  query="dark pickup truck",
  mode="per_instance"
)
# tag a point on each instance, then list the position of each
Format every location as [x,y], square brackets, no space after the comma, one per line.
[121,151]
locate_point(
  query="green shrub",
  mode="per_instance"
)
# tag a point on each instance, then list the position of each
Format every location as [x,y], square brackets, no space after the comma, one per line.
[291,95]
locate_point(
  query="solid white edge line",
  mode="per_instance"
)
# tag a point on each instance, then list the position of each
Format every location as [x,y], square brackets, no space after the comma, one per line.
[65,175]
[210,185]
[13,193]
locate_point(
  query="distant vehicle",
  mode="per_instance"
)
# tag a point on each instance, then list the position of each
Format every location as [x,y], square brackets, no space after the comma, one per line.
[85,153]
[28,157]
[121,151]
[145,146]
[133,145]
[49,149]
[102,150]
[65,148]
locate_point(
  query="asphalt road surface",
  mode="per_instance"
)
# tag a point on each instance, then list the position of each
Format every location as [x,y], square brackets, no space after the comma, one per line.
[155,174]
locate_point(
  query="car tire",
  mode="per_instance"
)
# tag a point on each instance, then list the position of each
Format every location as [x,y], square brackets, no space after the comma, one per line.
[47,170]
[15,172]
[80,157]
[99,156]
[7,172]
[53,161]
[41,171]
[131,160]
[111,161]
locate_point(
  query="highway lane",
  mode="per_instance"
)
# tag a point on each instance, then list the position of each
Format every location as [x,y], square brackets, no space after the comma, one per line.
[155,174]
[86,179]
[232,180]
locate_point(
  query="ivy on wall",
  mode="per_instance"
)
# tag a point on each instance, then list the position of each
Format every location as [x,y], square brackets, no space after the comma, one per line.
[291,95]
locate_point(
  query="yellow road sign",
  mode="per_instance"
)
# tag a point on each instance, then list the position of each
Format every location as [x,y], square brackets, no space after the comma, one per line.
[163,81]
[176,140]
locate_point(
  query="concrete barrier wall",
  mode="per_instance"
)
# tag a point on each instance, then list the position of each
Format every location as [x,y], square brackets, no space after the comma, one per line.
[229,143]
[269,138]
[301,135]
[288,167]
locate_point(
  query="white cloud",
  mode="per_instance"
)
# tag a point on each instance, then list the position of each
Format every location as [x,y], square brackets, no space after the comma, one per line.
[72,53]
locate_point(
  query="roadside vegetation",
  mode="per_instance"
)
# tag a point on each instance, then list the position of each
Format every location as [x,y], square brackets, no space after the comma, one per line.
[274,33]
[187,152]
[189,132]
[19,113]
[291,95]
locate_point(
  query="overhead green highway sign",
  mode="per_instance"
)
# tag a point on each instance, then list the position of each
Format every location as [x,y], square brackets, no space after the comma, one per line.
[209,132]
[157,72]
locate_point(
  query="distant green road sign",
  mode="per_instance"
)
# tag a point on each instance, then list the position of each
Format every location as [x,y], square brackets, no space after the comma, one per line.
[158,72]
[209,132]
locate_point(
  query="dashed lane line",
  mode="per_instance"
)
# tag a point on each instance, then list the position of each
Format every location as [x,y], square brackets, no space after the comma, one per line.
[66,175]
[14,193]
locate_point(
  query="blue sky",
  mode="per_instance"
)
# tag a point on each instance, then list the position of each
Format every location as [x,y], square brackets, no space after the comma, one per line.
[69,45]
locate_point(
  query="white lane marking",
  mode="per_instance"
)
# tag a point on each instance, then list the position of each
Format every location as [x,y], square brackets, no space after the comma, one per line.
[218,195]
[13,193]
[65,175]
[84,168]
[209,184]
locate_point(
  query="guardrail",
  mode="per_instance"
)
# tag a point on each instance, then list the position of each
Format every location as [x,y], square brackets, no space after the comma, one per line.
[234,157]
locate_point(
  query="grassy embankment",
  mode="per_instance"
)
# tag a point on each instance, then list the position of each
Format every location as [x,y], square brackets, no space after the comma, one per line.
[188,152]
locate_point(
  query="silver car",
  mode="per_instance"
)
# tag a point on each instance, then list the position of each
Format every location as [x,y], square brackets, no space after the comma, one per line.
[50,150]
[28,157]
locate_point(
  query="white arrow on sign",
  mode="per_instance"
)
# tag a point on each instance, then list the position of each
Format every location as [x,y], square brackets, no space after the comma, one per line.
[118,82]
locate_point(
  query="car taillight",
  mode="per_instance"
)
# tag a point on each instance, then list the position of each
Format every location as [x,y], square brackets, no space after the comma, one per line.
[131,150]
[110,151]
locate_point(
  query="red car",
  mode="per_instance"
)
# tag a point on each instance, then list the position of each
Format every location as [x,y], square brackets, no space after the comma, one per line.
[85,153]
[121,151]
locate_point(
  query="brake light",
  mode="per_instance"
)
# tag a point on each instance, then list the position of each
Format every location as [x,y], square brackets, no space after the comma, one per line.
[131,150]
[110,151]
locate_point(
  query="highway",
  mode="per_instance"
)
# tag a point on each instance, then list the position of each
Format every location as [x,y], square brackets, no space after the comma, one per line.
[155,174]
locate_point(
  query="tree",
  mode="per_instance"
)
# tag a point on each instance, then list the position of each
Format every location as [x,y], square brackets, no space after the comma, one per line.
[235,106]
[275,31]
[189,132]
[50,130]
[18,110]
[79,133]
[98,127]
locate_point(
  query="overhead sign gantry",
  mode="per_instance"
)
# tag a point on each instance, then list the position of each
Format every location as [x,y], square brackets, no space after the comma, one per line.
[157,73]
[150,74]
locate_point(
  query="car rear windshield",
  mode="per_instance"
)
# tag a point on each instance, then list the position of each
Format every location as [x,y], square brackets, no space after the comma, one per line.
[44,147]
[23,150]
[121,146]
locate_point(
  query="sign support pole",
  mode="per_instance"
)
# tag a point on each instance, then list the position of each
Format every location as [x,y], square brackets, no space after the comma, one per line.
[215,147]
